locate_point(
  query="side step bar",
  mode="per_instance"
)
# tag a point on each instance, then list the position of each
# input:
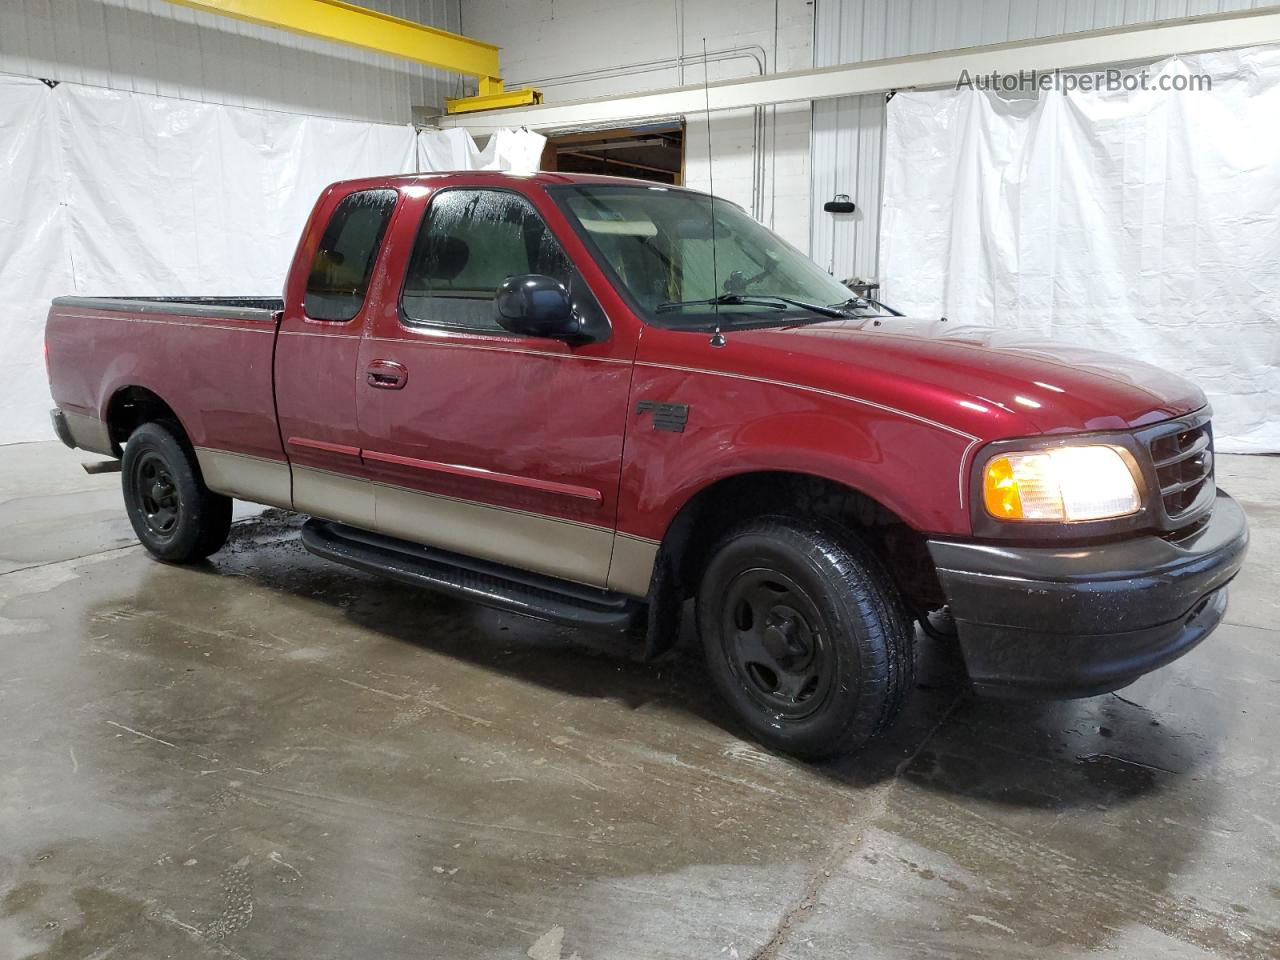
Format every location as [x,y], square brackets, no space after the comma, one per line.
[491,584]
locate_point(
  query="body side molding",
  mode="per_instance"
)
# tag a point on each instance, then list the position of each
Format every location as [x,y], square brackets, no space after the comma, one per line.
[478,473]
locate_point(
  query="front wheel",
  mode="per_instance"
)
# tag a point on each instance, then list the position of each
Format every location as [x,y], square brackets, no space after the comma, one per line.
[804,636]
[177,518]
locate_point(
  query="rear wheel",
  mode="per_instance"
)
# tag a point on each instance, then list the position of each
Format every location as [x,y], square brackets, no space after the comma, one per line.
[177,518]
[804,636]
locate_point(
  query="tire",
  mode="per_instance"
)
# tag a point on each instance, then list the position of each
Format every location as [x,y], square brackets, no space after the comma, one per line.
[805,636]
[177,518]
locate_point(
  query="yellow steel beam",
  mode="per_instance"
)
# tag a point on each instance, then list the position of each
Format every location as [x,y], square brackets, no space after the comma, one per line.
[526,97]
[368,30]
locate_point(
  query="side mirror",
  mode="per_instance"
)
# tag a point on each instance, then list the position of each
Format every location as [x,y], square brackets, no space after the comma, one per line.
[534,305]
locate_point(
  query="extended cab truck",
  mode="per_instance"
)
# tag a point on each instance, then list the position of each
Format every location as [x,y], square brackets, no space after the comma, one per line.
[587,399]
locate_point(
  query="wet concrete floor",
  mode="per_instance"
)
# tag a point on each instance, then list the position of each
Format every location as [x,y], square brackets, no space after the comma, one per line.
[268,756]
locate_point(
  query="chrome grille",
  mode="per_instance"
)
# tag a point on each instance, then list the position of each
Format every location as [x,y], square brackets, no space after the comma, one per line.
[1182,456]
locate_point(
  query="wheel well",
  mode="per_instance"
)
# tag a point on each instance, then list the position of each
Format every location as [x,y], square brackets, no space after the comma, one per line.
[702,521]
[130,408]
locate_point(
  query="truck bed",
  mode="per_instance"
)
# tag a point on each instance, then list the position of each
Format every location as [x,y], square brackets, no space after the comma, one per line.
[208,359]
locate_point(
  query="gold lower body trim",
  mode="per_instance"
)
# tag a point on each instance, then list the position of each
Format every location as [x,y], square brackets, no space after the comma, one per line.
[549,545]
[559,548]
[249,478]
[89,433]
[632,564]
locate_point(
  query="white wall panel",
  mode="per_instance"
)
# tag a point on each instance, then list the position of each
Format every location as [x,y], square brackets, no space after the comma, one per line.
[574,49]
[848,134]
[155,47]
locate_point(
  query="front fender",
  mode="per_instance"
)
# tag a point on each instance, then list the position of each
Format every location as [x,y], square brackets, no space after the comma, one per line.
[915,468]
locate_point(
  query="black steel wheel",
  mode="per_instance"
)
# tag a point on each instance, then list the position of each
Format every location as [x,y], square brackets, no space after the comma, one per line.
[159,496]
[177,518]
[775,642]
[804,635]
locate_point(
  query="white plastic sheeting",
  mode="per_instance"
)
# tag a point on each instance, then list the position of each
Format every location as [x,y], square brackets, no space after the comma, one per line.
[104,192]
[517,151]
[175,197]
[1146,223]
[34,266]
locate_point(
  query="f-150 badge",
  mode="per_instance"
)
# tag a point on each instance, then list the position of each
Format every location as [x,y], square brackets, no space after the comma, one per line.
[666,416]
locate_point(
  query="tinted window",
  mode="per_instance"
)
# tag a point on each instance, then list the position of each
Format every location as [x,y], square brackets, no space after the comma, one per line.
[340,271]
[470,241]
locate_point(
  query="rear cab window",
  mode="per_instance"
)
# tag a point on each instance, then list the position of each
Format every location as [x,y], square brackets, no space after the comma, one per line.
[343,263]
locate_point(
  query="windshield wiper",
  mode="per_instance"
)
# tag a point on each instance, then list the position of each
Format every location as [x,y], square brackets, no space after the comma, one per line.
[725,299]
[753,300]
[854,303]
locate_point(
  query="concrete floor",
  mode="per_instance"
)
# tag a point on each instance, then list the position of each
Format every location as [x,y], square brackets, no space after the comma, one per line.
[268,757]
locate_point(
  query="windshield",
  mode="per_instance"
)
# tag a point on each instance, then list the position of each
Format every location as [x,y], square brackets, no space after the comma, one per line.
[659,244]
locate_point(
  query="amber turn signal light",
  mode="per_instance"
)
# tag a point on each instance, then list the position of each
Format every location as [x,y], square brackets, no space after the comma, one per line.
[1000,490]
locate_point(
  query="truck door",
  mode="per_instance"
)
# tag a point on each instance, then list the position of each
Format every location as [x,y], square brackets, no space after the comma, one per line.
[318,349]
[489,444]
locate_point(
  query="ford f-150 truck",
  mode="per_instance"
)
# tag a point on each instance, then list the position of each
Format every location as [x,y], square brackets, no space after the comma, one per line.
[589,399]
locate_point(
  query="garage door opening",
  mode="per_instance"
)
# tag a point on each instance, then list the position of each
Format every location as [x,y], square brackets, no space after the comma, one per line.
[650,152]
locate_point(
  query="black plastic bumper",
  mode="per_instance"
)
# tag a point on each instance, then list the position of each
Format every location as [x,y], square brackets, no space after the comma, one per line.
[1061,622]
[60,427]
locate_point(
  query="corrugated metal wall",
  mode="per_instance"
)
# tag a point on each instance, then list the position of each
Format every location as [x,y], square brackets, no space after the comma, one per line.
[848,133]
[151,46]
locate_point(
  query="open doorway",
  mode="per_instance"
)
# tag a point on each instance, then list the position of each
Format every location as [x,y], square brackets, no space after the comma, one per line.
[652,151]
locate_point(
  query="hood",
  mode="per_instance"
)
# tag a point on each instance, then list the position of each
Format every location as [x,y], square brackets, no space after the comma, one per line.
[992,383]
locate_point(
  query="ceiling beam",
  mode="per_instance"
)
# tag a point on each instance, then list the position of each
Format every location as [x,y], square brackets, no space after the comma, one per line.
[366,29]
[604,146]
[1072,51]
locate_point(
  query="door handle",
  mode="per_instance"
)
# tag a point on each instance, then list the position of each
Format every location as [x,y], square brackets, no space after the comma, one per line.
[386,375]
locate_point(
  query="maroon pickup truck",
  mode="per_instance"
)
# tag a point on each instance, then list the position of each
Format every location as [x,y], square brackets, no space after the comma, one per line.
[588,399]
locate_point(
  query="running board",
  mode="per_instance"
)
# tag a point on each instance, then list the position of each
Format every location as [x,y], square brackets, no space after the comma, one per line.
[490,584]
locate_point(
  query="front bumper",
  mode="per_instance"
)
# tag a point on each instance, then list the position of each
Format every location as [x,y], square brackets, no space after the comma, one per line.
[1061,622]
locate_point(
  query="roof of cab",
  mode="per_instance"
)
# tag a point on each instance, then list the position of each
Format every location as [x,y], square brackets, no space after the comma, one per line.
[542,178]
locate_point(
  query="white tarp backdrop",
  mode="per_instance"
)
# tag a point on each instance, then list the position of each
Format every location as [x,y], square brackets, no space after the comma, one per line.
[34,262]
[115,194]
[1145,223]
[173,197]
[518,151]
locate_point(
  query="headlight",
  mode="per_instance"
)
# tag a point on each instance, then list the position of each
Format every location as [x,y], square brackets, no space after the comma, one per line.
[1065,483]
